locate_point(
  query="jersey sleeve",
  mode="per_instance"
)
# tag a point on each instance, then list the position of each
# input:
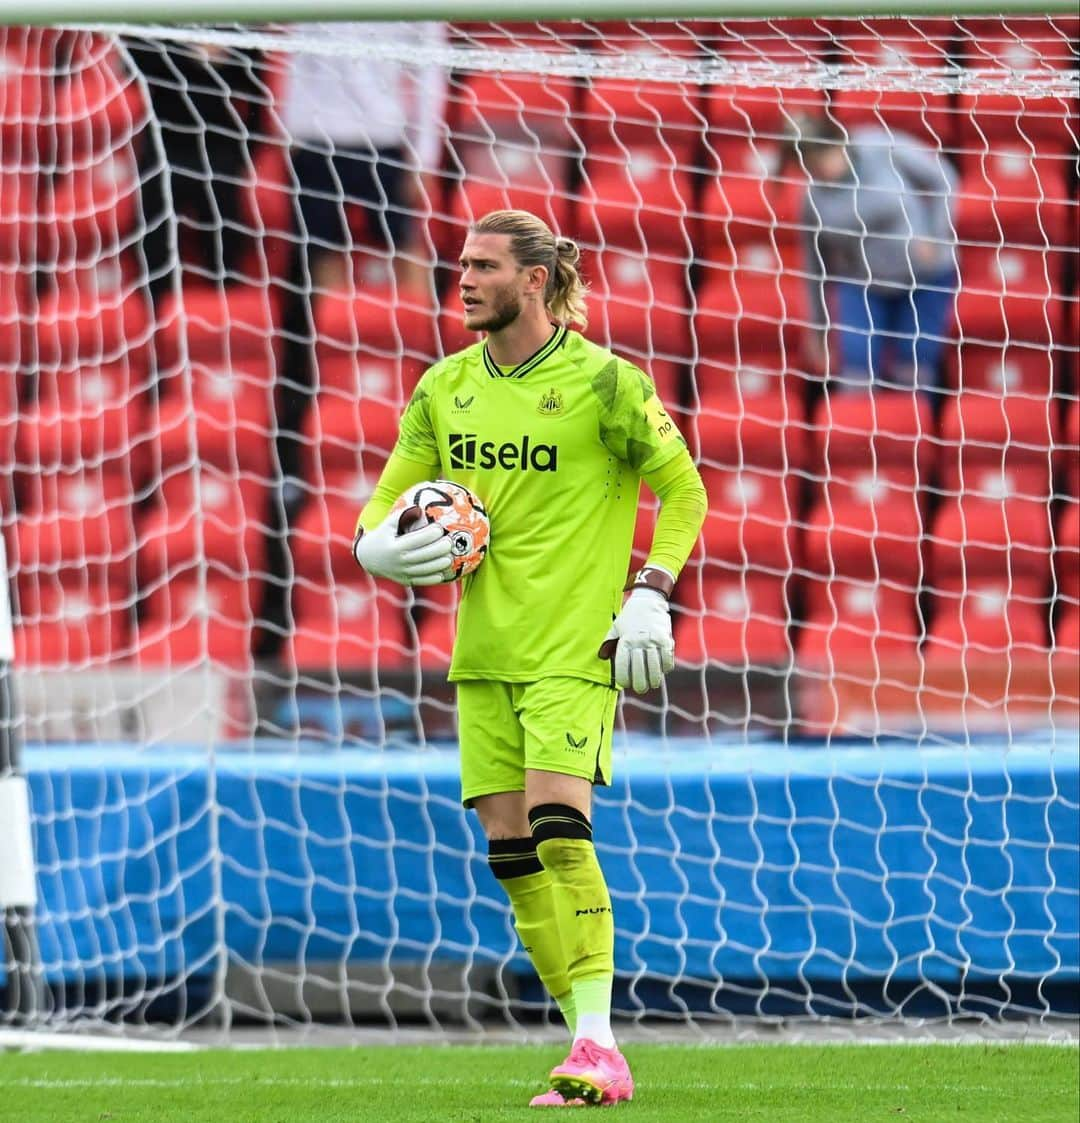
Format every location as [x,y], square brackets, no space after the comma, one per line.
[634,425]
[416,432]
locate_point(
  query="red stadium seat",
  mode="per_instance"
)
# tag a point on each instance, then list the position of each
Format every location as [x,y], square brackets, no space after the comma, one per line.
[771,41]
[746,211]
[860,431]
[642,206]
[221,417]
[379,322]
[751,520]
[757,308]
[1009,196]
[97,102]
[82,517]
[1011,434]
[1002,369]
[187,619]
[472,199]
[345,435]
[70,618]
[980,540]
[94,416]
[985,621]
[855,623]
[23,235]
[990,119]
[639,311]
[230,328]
[96,206]
[734,622]
[436,608]
[747,429]
[621,114]
[94,315]
[350,625]
[898,44]
[520,108]
[204,514]
[321,540]
[761,116]
[1009,294]
[869,528]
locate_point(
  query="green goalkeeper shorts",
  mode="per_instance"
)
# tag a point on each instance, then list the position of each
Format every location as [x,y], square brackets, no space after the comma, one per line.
[553,725]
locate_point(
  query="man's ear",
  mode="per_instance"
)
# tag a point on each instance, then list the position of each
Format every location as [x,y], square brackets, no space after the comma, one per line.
[538,276]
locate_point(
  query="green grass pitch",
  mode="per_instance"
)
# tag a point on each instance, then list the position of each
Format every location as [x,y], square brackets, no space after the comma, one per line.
[486,1084]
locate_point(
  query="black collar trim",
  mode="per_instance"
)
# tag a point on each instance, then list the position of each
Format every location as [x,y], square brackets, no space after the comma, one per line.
[554,342]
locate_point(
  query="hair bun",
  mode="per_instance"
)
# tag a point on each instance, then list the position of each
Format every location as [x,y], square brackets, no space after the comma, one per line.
[567,248]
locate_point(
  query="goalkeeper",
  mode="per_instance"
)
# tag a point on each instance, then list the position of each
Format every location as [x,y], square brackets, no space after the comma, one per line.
[554,434]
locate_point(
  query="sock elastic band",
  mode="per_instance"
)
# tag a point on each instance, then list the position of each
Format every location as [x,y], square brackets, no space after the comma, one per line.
[513,857]
[557,820]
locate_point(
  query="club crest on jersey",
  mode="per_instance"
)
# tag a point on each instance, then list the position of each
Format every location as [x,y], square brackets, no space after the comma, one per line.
[550,403]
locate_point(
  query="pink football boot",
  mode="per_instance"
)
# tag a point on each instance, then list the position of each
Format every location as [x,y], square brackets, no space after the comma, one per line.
[594,1074]
[554,1099]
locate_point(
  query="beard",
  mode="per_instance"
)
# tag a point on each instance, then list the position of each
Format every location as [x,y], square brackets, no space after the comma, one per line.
[505,309]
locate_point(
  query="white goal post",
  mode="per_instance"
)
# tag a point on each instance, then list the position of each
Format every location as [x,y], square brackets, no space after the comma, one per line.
[857,795]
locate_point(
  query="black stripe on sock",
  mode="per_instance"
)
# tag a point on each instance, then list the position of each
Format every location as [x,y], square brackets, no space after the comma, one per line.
[513,857]
[557,820]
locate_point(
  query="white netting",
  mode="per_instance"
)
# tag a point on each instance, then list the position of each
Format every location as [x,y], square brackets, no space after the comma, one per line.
[212,310]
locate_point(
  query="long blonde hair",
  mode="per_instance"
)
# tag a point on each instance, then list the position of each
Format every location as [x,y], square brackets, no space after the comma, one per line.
[533,243]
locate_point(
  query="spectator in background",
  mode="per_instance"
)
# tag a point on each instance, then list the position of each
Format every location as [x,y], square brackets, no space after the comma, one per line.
[880,246]
[207,99]
[366,133]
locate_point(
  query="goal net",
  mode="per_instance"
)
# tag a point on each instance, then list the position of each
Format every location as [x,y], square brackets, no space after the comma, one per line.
[227,255]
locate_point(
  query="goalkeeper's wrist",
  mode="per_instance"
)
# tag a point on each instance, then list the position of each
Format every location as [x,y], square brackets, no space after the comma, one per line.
[654,578]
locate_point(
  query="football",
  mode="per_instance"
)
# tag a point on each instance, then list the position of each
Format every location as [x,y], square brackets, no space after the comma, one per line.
[459,512]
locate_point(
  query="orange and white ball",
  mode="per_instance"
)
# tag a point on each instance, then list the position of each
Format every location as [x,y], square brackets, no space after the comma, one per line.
[459,512]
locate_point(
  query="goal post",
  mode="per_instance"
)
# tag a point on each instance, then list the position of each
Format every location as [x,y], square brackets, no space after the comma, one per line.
[856,795]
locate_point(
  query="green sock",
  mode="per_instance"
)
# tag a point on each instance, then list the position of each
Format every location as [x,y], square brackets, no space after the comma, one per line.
[568,1007]
[583,906]
[533,903]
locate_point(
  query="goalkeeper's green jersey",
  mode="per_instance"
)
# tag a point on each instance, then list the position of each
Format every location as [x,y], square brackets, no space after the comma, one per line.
[554,449]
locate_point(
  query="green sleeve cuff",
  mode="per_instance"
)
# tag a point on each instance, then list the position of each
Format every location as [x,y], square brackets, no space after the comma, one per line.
[401,472]
[683,505]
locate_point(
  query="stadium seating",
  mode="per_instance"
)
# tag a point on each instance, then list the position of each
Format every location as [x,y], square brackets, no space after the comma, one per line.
[1012,196]
[93,314]
[321,540]
[1009,294]
[189,618]
[351,624]
[985,621]
[894,45]
[94,416]
[733,622]
[751,520]
[855,623]
[71,626]
[230,328]
[203,514]
[983,435]
[221,417]
[1001,369]
[436,607]
[621,116]
[72,519]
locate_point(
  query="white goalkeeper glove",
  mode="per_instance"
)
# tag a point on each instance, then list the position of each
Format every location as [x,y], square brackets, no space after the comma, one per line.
[411,557]
[640,639]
